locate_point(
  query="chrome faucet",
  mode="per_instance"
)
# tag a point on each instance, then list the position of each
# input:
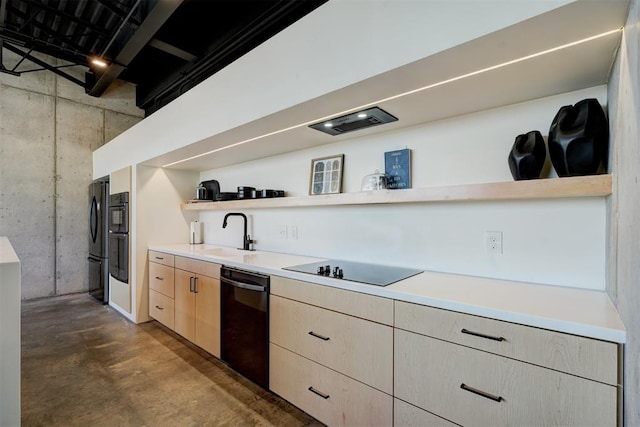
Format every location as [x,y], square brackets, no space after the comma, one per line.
[246,239]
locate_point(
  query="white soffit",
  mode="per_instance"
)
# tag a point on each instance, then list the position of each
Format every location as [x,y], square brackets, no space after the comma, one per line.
[584,64]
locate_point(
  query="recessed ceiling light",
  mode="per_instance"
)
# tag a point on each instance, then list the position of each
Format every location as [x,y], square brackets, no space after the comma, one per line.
[99,62]
[328,125]
[362,115]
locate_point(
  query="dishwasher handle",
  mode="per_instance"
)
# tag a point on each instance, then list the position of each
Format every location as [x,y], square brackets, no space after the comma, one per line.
[256,288]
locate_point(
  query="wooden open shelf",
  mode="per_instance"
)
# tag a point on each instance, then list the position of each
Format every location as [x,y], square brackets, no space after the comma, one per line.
[553,188]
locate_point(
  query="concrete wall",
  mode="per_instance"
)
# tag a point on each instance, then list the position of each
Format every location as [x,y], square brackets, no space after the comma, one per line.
[623,282]
[48,130]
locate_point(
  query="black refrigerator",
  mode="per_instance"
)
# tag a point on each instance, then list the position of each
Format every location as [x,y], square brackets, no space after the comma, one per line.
[99,240]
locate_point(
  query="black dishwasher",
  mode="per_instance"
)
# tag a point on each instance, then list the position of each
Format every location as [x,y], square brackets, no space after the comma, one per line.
[245,323]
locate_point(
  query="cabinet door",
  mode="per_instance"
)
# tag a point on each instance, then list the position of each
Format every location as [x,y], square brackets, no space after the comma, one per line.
[364,306]
[185,304]
[472,387]
[405,415]
[584,357]
[354,347]
[327,395]
[161,308]
[161,258]
[207,318]
[161,279]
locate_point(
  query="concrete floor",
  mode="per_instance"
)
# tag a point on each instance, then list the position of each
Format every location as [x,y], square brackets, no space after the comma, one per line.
[84,364]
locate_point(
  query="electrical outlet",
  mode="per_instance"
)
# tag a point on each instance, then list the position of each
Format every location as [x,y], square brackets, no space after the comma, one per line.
[293,232]
[283,232]
[493,242]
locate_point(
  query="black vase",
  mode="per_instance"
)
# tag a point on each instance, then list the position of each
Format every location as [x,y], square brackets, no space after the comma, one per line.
[527,156]
[579,139]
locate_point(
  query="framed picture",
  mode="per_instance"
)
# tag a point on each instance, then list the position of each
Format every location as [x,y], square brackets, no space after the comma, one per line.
[397,166]
[326,175]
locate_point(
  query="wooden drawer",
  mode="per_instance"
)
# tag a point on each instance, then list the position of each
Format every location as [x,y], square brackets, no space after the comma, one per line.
[161,258]
[405,415]
[197,266]
[368,307]
[161,279]
[358,348]
[161,308]
[346,402]
[585,357]
[430,373]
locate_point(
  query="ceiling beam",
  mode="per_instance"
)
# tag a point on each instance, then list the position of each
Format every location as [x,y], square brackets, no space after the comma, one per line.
[172,50]
[3,12]
[43,64]
[116,10]
[62,39]
[148,28]
[86,24]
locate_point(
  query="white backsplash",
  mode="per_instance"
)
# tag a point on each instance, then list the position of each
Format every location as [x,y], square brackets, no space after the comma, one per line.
[556,242]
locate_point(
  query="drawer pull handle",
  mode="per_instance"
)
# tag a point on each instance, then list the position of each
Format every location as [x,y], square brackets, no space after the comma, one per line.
[313,334]
[159,278]
[481,393]
[319,393]
[159,308]
[159,257]
[478,334]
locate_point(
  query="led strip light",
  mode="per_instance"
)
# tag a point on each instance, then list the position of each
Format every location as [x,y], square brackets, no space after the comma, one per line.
[411,92]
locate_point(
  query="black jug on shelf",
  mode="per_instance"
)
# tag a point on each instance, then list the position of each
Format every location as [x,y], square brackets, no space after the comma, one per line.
[527,156]
[579,139]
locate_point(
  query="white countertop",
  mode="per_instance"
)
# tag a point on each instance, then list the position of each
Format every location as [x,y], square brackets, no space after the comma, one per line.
[576,311]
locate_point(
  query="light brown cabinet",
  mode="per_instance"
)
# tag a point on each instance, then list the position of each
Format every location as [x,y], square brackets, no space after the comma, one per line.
[332,352]
[350,358]
[331,397]
[161,258]
[161,288]
[585,357]
[406,415]
[477,371]
[197,303]
[161,308]
[355,347]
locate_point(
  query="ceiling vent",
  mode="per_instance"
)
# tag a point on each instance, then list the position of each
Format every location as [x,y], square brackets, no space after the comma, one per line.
[355,121]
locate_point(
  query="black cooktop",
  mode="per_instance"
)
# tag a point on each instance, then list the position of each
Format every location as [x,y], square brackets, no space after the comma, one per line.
[371,274]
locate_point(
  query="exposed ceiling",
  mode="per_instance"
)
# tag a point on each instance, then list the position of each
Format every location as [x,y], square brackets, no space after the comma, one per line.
[164,47]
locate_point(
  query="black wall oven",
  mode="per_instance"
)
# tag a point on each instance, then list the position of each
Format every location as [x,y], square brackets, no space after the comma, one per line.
[244,297]
[119,213]
[119,236]
[119,256]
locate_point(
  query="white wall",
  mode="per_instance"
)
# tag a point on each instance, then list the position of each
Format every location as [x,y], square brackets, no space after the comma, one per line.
[557,242]
[158,219]
[340,43]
